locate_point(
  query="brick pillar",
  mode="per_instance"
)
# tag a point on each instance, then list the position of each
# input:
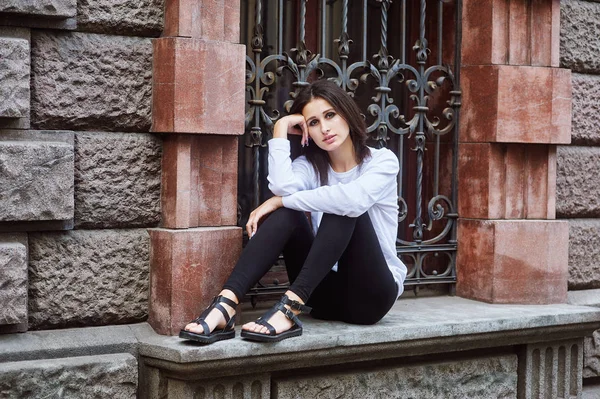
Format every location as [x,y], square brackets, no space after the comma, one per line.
[516,108]
[198,103]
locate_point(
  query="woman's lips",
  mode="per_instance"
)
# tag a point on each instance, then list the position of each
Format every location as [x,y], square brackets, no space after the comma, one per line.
[329,138]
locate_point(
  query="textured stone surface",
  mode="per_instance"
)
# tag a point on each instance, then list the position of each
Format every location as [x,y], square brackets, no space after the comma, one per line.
[183,74]
[591,391]
[14,77]
[199,174]
[105,376]
[515,104]
[551,369]
[13,279]
[506,181]
[88,277]
[501,32]
[499,260]
[584,254]
[85,81]
[591,353]
[188,268]
[127,17]
[494,377]
[117,180]
[585,297]
[37,180]
[208,19]
[586,108]
[580,35]
[49,8]
[578,182]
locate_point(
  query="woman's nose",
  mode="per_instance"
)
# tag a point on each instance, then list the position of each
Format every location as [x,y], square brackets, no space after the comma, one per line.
[325,128]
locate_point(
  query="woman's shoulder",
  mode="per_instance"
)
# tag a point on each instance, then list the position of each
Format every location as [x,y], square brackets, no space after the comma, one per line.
[381,155]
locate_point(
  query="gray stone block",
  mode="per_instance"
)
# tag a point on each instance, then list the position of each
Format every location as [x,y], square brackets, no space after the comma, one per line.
[13,279]
[104,376]
[88,277]
[493,377]
[551,370]
[584,254]
[117,180]
[591,391]
[14,77]
[578,182]
[85,81]
[48,8]
[584,297]
[591,353]
[580,35]
[37,181]
[586,108]
[127,17]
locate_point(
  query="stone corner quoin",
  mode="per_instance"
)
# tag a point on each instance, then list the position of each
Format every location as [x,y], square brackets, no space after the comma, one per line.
[88,81]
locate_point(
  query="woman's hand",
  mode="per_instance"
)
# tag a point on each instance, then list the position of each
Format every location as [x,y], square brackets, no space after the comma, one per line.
[291,124]
[263,210]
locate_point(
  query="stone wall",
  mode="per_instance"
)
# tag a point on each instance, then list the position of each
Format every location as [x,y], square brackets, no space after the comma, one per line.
[578,165]
[80,172]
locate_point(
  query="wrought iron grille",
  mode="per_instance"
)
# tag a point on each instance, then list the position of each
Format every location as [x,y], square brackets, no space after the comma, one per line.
[400,61]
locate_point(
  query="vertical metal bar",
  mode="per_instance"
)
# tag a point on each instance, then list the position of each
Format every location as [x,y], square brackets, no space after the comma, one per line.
[403,29]
[256,129]
[440,30]
[345,16]
[457,64]
[323,29]
[420,136]
[302,20]
[280,27]
[364,31]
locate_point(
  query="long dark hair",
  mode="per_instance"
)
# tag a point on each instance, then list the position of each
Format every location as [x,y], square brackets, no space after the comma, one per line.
[345,106]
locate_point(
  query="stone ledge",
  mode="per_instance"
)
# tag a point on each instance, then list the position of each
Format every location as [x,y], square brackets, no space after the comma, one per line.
[427,326]
[52,344]
[584,298]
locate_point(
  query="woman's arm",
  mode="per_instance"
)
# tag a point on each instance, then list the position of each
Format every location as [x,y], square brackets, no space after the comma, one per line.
[287,177]
[353,198]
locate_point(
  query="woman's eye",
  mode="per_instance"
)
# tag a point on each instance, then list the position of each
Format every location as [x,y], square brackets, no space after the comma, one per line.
[312,123]
[330,115]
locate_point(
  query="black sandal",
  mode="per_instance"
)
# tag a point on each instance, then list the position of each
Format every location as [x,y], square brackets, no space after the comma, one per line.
[208,337]
[272,336]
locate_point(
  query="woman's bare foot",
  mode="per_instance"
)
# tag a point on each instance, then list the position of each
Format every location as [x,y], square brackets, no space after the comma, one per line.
[215,318]
[278,320]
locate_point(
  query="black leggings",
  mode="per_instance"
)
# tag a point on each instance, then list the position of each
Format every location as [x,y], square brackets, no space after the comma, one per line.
[363,289]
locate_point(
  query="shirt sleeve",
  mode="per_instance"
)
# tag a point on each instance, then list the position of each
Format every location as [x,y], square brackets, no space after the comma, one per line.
[353,198]
[287,177]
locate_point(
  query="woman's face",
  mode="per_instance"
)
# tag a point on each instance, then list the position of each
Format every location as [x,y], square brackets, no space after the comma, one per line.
[326,127]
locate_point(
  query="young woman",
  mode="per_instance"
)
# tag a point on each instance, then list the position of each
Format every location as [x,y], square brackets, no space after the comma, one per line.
[345,267]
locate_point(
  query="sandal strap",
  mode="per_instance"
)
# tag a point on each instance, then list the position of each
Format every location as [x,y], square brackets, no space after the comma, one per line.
[295,305]
[289,314]
[216,304]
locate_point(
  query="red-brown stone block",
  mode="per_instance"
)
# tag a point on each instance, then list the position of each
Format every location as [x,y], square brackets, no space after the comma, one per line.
[198,86]
[187,268]
[516,261]
[515,104]
[199,181]
[205,19]
[511,32]
[506,181]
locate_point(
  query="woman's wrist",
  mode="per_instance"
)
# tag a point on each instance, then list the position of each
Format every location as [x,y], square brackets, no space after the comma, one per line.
[279,131]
